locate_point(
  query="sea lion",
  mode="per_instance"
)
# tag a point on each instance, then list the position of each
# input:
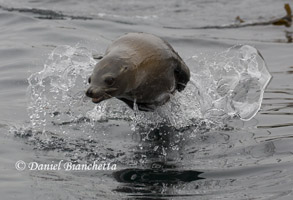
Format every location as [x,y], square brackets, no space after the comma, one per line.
[140,68]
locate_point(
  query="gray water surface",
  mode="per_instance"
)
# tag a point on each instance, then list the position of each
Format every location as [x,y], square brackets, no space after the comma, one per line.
[246,160]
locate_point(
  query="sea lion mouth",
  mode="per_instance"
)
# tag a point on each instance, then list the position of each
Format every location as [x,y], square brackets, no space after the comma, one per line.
[101,98]
[98,95]
[97,100]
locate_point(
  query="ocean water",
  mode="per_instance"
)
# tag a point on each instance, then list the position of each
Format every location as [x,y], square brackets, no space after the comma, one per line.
[45,50]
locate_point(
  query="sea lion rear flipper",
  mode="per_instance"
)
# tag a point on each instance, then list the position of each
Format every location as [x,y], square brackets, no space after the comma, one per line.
[182,75]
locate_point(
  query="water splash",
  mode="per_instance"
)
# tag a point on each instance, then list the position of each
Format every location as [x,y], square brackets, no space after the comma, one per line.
[56,94]
[231,83]
[228,85]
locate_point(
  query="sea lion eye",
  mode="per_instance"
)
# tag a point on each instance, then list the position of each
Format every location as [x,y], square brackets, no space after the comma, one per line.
[89,80]
[109,81]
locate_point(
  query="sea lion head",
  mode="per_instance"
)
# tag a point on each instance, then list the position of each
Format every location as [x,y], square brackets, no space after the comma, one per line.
[109,79]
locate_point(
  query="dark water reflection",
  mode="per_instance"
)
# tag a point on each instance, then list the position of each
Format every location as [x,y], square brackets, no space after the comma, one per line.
[158,180]
[160,154]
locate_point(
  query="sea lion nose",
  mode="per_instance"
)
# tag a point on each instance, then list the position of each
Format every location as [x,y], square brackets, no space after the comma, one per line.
[89,92]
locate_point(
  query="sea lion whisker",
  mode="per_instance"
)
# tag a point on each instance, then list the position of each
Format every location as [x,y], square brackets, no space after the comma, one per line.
[106,95]
[111,89]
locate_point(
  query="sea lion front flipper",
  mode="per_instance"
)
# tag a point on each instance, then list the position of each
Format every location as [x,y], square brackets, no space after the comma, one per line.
[97,56]
[182,75]
[146,107]
[128,102]
[141,106]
